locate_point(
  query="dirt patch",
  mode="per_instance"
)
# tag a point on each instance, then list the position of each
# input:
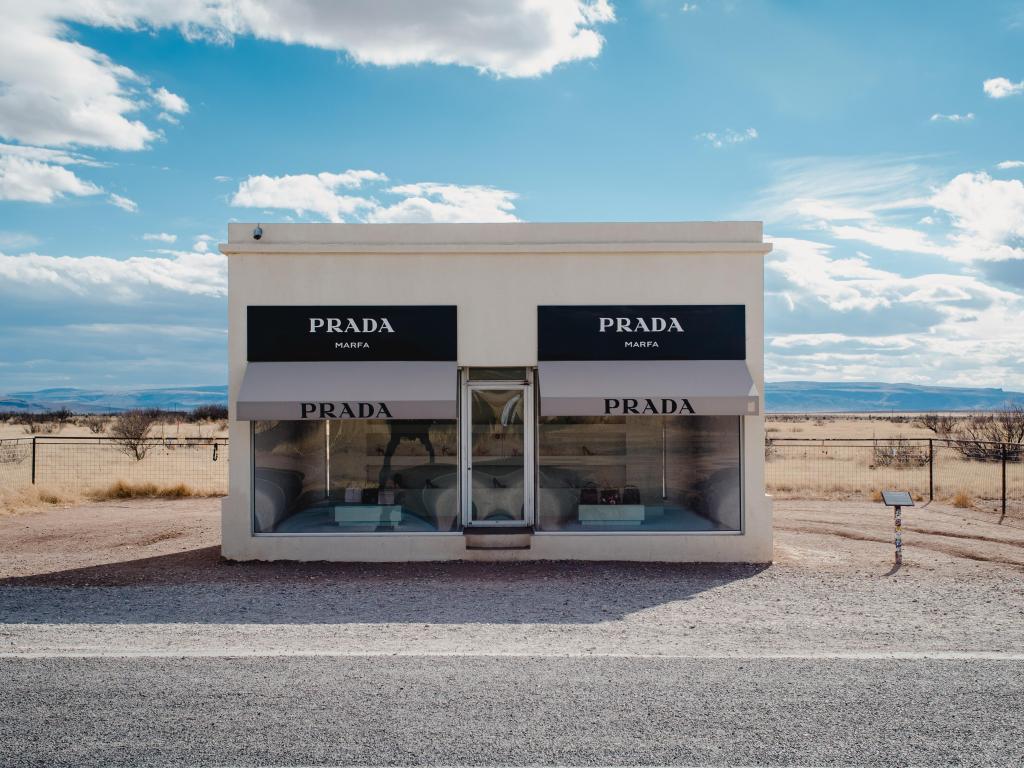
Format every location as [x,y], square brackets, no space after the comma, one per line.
[177,541]
[936,537]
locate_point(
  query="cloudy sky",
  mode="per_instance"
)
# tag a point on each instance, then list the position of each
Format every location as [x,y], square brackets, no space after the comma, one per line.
[880,142]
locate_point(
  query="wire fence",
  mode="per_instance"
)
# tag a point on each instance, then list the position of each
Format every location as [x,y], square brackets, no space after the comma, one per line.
[88,463]
[967,473]
[962,472]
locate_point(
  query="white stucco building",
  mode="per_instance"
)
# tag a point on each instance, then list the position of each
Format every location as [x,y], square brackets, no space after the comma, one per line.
[497,391]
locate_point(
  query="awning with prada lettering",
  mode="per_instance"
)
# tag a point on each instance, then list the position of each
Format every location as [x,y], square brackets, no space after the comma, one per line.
[647,388]
[348,390]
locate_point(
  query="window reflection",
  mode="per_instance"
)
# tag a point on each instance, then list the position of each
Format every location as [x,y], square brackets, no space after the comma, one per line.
[355,476]
[622,473]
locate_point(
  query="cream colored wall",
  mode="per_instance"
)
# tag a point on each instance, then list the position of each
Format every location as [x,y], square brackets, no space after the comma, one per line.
[497,275]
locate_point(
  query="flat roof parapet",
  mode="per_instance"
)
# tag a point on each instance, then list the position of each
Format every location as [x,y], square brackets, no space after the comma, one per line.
[614,237]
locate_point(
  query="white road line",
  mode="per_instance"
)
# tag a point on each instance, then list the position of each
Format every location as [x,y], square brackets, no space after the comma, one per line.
[185,653]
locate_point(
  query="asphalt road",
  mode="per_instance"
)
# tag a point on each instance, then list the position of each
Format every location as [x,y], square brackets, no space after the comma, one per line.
[479,710]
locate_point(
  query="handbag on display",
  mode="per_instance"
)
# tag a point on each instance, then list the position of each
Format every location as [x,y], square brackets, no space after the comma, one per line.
[589,494]
[386,496]
[631,495]
[353,495]
[610,496]
[369,496]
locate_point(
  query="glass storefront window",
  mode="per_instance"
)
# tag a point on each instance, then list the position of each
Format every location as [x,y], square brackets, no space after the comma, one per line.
[355,476]
[639,473]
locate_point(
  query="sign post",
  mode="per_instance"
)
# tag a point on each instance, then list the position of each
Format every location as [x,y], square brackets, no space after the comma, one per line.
[897,500]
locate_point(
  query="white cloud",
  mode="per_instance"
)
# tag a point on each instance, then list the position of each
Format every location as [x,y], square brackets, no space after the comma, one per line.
[727,137]
[168,118]
[60,92]
[1001,87]
[52,156]
[202,243]
[160,237]
[170,102]
[307,192]
[1008,165]
[939,327]
[37,182]
[123,203]
[807,190]
[988,216]
[689,7]
[868,201]
[116,280]
[222,178]
[11,239]
[937,117]
[333,197]
[447,203]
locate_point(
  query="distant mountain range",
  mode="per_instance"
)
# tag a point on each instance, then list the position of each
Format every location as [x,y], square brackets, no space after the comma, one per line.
[860,397]
[782,397]
[102,401]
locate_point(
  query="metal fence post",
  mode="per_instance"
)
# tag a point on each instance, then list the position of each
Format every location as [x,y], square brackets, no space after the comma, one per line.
[34,461]
[1004,484]
[931,470]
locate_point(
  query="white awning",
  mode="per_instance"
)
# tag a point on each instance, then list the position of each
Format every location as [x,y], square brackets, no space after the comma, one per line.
[325,390]
[653,387]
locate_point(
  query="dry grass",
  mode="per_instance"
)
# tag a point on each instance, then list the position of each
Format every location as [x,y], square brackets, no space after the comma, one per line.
[123,490]
[23,499]
[82,428]
[962,500]
[28,498]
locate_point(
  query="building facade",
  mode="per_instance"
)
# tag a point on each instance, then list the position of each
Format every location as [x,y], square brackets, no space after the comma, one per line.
[497,391]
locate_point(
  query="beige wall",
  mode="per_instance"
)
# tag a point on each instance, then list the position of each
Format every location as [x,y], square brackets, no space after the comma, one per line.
[497,274]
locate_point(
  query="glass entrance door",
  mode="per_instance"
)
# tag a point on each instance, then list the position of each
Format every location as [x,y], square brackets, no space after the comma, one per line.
[497,476]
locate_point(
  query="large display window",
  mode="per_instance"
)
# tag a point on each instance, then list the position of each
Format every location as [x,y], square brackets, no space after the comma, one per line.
[639,473]
[355,476]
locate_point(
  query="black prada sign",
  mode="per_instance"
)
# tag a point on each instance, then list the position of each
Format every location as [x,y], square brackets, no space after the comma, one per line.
[642,332]
[303,334]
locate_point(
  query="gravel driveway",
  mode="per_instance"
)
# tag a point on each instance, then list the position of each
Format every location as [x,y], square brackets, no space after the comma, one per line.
[123,637]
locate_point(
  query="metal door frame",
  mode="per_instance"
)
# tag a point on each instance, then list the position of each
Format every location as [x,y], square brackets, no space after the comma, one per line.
[466,451]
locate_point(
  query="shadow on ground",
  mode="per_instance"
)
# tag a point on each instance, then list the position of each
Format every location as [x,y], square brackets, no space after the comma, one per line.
[196,586]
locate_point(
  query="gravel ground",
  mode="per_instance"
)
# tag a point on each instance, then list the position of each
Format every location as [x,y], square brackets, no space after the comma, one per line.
[510,711]
[125,640]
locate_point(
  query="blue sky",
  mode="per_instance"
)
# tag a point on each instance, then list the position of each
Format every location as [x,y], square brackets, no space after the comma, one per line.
[880,143]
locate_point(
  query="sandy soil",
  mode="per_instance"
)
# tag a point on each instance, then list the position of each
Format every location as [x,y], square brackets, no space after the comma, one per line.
[170,541]
[146,578]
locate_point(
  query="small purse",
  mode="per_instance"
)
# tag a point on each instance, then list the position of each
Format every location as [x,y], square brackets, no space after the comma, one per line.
[386,496]
[589,494]
[369,496]
[631,495]
[610,496]
[353,495]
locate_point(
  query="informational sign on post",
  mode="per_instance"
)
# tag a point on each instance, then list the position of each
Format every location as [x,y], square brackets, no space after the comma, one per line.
[897,500]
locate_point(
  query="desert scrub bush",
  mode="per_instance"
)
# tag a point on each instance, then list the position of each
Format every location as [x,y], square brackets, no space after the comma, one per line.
[32,497]
[898,452]
[941,425]
[32,425]
[992,436]
[131,432]
[124,490]
[209,413]
[962,500]
[94,423]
